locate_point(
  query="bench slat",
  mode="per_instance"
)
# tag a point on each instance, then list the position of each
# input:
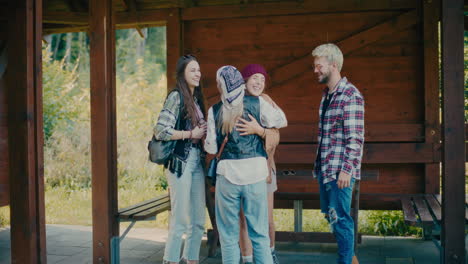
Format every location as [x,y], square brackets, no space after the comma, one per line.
[423,211]
[137,210]
[153,211]
[123,210]
[408,211]
[434,206]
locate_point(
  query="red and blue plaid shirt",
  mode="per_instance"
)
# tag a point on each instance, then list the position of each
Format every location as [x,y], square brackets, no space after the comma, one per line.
[341,138]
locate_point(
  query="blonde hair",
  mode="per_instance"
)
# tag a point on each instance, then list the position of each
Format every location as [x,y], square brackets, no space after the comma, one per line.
[331,52]
[228,116]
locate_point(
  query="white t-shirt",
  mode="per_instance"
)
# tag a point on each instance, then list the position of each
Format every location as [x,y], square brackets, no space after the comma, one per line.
[250,170]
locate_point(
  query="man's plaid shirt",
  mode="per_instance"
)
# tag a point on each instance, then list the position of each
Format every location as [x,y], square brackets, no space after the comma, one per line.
[342,135]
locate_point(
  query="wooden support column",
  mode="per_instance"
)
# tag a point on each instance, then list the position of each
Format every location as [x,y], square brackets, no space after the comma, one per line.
[103,129]
[173,44]
[453,157]
[431,17]
[4,174]
[26,165]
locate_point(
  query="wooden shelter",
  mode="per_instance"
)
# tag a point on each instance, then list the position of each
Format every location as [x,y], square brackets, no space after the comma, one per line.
[391,55]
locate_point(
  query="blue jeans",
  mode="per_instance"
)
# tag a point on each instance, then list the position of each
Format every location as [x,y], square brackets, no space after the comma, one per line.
[253,198]
[187,210]
[336,203]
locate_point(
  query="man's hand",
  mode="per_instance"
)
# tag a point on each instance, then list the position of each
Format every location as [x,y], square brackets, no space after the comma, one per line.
[344,180]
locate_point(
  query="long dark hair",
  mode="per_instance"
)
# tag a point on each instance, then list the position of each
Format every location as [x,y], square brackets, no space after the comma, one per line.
[189,110]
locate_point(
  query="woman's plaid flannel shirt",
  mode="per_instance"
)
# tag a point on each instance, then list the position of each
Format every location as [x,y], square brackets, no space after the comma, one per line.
[342,135]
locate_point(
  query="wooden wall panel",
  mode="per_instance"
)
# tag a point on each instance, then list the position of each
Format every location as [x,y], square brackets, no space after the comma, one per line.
[431,14]
[389,72]
[391,179]
[379,192]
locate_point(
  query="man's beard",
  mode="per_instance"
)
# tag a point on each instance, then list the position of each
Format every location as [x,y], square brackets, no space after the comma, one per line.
[324,79]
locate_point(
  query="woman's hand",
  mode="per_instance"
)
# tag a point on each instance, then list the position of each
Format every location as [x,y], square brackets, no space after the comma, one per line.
[249,127]
[199,131]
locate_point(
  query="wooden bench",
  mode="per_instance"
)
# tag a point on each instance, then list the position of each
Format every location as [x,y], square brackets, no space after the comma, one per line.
[424,210]
[298,235]
[144,211]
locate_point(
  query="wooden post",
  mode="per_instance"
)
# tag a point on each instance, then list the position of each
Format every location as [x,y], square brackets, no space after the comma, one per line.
[453,157]
[173,44]
[431,16]
[4,174]
[103,129]
[26,166]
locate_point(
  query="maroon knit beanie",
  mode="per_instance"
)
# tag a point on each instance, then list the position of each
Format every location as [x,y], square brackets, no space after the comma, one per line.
[252,69]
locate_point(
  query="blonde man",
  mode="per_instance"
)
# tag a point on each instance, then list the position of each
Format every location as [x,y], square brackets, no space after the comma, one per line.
[341,140]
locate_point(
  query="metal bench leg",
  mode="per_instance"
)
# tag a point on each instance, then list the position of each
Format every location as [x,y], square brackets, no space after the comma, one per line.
[115,250]
[297,215]
[115,244]
[127,230]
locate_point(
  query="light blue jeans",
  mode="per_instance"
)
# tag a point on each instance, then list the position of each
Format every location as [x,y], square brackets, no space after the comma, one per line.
[336,203]
[253,198]
[187,210]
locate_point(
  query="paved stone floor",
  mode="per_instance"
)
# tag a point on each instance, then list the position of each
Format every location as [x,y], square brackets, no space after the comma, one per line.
[73,244]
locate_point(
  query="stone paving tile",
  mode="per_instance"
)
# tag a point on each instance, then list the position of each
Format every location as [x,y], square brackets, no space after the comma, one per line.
[151,246]
[155,257]
[140,254]
[5,257]
[399,260]
[72,244]
[77,259]
[5,244]
[65,250]
[370,260]
[52,259]
[428,260]
[131,244]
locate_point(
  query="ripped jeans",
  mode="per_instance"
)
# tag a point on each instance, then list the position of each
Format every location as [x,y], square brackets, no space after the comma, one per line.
[336,203]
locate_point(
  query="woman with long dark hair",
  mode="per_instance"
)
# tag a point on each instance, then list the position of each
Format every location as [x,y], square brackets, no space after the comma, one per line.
[184,169]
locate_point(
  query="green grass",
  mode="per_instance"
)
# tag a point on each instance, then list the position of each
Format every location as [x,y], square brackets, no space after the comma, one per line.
[73,207]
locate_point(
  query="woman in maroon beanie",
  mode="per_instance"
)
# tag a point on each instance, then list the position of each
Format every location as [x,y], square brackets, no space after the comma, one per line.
[255,78]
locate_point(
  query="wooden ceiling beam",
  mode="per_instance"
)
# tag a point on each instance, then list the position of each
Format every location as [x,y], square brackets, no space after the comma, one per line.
[122,18]
[68,18]
[291,8]
[64,29]
[133,12]
[76,6]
